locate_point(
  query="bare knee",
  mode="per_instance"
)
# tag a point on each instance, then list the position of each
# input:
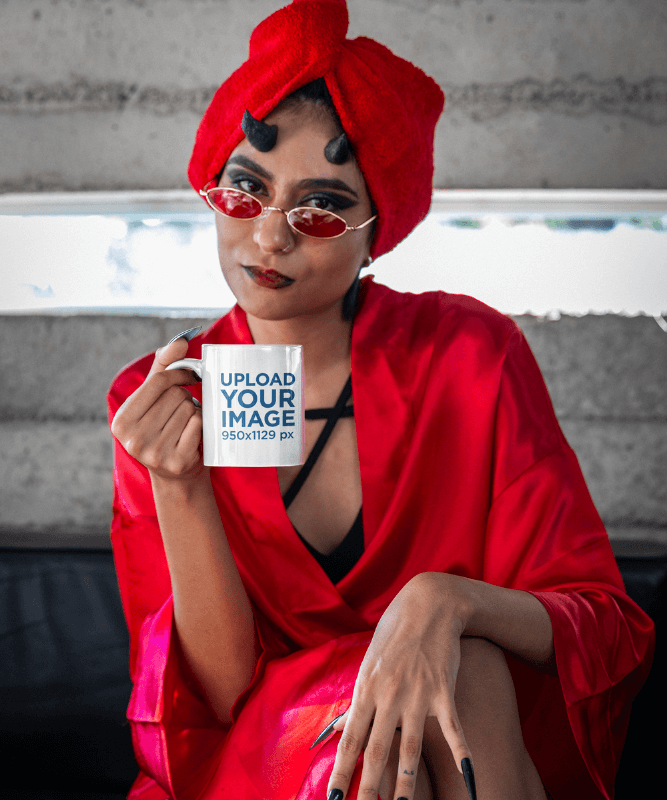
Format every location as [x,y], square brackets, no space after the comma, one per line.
[483,669]
[486,706]
[483,672]
[477,652]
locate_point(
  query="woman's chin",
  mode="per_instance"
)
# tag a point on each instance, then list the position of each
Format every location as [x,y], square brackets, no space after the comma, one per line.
[270,310]
[291,301]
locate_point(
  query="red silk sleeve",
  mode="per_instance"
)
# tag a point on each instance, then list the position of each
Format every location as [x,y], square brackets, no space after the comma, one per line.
[545,536]
[174,731]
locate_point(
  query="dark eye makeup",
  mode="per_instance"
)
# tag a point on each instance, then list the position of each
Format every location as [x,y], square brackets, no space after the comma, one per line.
[245,182]
[324,199]
[328,201]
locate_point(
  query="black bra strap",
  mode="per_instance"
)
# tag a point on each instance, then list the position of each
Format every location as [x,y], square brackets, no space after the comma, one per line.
[332,418]
[325,413]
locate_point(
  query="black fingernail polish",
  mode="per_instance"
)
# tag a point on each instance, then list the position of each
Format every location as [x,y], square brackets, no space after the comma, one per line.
[187,335]
[469,778]
[335,794]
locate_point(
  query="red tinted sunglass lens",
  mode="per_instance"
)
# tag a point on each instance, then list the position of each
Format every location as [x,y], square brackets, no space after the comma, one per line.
[314,222]
[235,204]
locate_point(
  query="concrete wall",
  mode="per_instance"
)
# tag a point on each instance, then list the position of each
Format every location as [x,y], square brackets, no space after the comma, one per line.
[605,373]
[107,94]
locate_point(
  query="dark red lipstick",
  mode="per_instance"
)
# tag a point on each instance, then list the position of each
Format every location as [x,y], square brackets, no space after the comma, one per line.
[269,278]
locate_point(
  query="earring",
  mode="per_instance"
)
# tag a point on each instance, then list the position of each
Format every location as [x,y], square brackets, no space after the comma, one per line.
[351,300]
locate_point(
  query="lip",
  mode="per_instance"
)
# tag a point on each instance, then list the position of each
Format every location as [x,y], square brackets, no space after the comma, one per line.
[269,278]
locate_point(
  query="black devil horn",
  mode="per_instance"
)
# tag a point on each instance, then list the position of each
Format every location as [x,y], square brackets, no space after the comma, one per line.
[260,135]
[338,150]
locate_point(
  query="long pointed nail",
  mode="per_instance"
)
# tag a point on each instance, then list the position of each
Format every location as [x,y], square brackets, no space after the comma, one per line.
[326,731]
[187,335]
[469,778]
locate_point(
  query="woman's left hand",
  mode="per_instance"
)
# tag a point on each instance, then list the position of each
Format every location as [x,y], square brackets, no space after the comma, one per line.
[408,674]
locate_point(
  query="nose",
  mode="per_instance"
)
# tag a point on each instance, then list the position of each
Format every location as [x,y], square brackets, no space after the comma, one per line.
[272,231]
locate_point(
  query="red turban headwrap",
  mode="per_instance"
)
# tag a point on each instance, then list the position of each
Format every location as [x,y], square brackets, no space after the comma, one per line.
[388,107]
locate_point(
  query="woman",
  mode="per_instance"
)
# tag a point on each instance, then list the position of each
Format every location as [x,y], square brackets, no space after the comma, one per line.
[440,585]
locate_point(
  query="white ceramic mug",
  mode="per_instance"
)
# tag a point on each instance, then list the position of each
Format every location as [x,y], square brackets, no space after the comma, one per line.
[252,404]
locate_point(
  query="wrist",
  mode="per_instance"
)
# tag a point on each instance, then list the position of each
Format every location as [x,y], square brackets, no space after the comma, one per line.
[449,594]
[512,619]
[182,488]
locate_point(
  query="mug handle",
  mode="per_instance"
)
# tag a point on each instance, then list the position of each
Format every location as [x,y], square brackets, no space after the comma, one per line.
[195,364]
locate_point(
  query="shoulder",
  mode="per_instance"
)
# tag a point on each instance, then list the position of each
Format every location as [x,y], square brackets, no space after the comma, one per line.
[435,319]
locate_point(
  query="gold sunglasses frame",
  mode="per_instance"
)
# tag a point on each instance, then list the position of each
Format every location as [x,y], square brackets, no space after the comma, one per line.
[266,210]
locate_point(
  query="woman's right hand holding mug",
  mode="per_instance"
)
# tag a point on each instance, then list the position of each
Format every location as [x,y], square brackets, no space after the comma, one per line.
[159,424]
[161,427]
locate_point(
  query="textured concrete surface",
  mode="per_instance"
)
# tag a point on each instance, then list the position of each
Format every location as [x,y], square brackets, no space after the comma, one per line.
[55,475]
[605,373]
[58,474]
[603,367]
[107,94]
[624,464]
[63,366]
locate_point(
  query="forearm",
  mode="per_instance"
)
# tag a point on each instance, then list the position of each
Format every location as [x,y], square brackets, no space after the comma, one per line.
[514,620]
[212,613]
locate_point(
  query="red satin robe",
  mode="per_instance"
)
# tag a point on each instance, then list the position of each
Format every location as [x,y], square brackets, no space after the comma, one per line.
[464,469]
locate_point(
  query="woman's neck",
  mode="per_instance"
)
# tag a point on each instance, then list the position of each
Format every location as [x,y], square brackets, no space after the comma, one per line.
[326,343]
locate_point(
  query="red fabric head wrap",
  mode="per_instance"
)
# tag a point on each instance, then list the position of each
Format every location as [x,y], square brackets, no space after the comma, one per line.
[389,108]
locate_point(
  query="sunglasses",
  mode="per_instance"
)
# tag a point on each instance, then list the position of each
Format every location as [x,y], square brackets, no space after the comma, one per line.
[313,222]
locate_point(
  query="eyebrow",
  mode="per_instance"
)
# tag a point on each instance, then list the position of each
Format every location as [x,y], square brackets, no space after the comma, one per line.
[307,183]
[326,183]
[248,163]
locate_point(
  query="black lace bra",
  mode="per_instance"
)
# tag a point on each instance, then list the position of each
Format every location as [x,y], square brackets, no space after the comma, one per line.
[341,560]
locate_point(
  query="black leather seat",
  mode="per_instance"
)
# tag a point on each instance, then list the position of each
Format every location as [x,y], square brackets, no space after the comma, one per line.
[643,566]
[64,682]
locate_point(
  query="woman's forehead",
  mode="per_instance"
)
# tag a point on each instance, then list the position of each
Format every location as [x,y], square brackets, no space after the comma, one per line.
[303,133]
[305,114]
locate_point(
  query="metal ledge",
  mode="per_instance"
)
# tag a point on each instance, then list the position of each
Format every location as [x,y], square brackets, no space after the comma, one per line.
[454,201]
